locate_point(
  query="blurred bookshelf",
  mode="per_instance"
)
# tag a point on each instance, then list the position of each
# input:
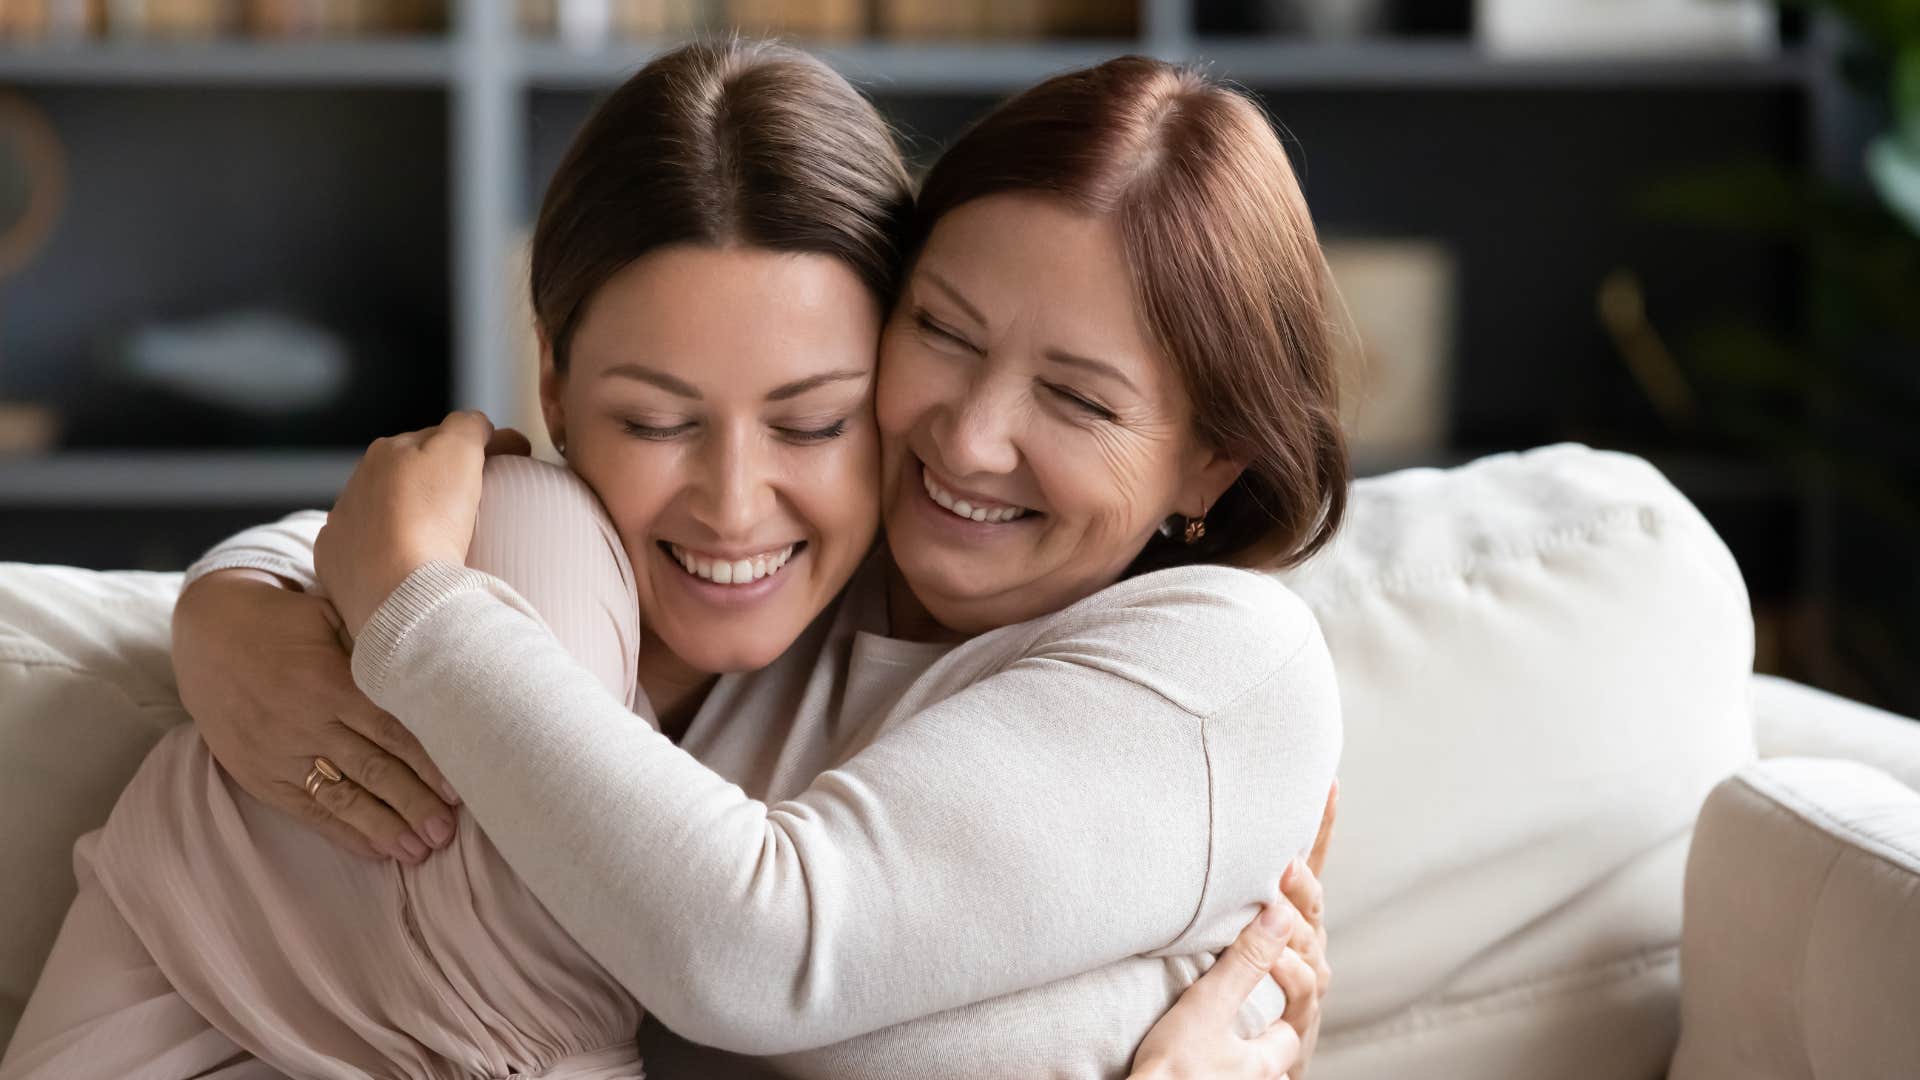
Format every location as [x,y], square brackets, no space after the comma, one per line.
[371,170]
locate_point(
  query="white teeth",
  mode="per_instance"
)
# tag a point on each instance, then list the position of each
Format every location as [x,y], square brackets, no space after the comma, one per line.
[732,571]
[965,509]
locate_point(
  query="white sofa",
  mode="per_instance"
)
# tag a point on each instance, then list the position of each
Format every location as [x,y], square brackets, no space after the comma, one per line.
[1552,725]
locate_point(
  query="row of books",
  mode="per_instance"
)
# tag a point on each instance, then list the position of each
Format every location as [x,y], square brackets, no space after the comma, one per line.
[82,19]
[587,23]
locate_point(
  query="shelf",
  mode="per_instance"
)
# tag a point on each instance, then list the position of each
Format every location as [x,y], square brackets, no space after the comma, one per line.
[96,478]
[1274,65]
[930,67]
[394,62]
[994,67]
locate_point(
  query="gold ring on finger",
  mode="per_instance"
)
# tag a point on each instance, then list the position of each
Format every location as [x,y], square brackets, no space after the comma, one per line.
[324,772]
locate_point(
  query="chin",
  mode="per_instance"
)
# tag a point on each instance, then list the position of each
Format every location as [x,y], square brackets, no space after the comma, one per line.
[733,657]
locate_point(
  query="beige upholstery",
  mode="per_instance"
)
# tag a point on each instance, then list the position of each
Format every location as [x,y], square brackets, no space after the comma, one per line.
[85,689]
[1802,951]
[1544,666]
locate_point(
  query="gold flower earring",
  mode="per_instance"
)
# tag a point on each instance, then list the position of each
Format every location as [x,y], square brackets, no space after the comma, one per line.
[1197,526]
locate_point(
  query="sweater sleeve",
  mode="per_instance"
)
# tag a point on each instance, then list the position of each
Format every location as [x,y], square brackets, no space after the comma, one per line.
[1053,817]
[283,548]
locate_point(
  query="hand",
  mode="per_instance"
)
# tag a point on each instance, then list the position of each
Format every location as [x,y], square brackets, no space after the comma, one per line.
[264,674]
[412,500]
[1196,1037]
[1288,941]
[1301,886]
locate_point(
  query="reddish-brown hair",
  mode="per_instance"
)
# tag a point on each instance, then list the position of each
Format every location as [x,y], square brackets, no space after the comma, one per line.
[1225,265]
[714,143]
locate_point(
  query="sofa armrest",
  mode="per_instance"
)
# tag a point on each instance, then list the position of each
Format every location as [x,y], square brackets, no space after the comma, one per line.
[1794,720]
[1800,947]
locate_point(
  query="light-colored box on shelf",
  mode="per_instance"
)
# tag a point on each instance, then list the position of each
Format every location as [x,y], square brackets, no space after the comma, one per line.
[1626,28]
[1395,312]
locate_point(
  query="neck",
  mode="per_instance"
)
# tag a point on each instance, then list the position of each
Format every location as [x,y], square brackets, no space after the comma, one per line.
[907,617]
[674,688]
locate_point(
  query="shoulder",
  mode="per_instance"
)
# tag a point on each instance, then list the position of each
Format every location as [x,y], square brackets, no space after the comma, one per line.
[1201,636]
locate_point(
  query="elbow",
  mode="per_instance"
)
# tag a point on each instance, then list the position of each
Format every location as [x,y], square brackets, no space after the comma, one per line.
[737,1028]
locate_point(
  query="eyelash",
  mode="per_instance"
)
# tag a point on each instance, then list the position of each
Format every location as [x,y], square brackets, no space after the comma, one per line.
[1079,402]
[803,436]
[927,324]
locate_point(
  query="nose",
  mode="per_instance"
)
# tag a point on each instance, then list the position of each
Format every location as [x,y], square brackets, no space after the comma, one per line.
[735,494]
[980,429]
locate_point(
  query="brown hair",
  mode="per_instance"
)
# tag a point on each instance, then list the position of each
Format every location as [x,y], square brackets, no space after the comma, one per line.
[1226,269]
[721,142]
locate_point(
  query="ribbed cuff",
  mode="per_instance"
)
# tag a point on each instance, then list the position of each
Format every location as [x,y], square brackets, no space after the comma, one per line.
[378,647]
[277,565]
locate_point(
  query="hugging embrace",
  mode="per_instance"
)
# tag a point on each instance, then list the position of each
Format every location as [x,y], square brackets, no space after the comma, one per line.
[890,683]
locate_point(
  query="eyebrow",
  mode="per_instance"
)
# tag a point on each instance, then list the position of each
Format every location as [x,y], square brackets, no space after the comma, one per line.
[954,295]
[1058,356]
[1088,363]
[783,392]
[814,382]
[658,378]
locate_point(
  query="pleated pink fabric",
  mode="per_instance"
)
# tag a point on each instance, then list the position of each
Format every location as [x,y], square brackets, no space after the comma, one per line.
[217,937]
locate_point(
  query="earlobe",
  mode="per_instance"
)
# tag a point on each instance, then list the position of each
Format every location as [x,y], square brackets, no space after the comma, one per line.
[1216,473]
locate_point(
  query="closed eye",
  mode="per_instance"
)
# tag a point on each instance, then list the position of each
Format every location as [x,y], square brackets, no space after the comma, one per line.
[930,327]
[815,435]
[1080,402]
[657,434]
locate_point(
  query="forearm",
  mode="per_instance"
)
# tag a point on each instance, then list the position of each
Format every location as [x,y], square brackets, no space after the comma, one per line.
[770,929]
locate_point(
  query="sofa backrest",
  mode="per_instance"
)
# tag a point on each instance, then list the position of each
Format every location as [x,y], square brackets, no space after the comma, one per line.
[86,688]
[1544,661]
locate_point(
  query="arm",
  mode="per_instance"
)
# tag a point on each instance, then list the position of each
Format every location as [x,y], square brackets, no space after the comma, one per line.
[767,929]
[259,661]
[282,549]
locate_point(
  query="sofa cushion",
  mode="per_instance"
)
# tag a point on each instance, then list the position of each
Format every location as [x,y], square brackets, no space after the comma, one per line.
[1544,661]
[85,688]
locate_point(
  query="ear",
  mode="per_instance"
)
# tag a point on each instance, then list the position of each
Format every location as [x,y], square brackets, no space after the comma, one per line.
[552,381]
[1209,475]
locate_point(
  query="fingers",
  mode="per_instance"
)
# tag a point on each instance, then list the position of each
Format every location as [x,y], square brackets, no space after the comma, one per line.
[1245,962]
[396,783]
[378,726]
[348,802]
[508,441]
[1302,889]
[1300,983]
[324,823]
[1276,1051]
[467,425]
[1318,857]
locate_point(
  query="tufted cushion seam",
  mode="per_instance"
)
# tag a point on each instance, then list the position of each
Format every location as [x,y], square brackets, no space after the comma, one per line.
[1420,1019]
[1404,579]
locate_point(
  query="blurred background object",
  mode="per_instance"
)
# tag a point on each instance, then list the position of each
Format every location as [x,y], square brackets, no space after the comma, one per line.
[1683,228]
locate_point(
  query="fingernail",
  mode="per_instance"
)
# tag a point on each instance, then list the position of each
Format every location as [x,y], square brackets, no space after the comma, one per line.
[451,796]
[412,846]
[1273,917]
[439,830]
[1286,876]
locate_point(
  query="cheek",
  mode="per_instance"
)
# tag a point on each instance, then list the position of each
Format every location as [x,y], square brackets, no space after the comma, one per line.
[1104,483]
[910,383]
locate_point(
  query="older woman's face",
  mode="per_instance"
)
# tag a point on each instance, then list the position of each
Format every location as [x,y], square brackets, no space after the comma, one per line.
[1033,434]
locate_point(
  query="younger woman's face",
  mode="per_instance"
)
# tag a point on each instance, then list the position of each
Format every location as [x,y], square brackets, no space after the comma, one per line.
[720,403]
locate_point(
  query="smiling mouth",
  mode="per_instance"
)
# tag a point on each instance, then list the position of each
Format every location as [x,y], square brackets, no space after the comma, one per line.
[724,571]
[987,513]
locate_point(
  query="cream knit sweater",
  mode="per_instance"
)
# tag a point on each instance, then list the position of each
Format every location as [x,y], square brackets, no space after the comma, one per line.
[883,858]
